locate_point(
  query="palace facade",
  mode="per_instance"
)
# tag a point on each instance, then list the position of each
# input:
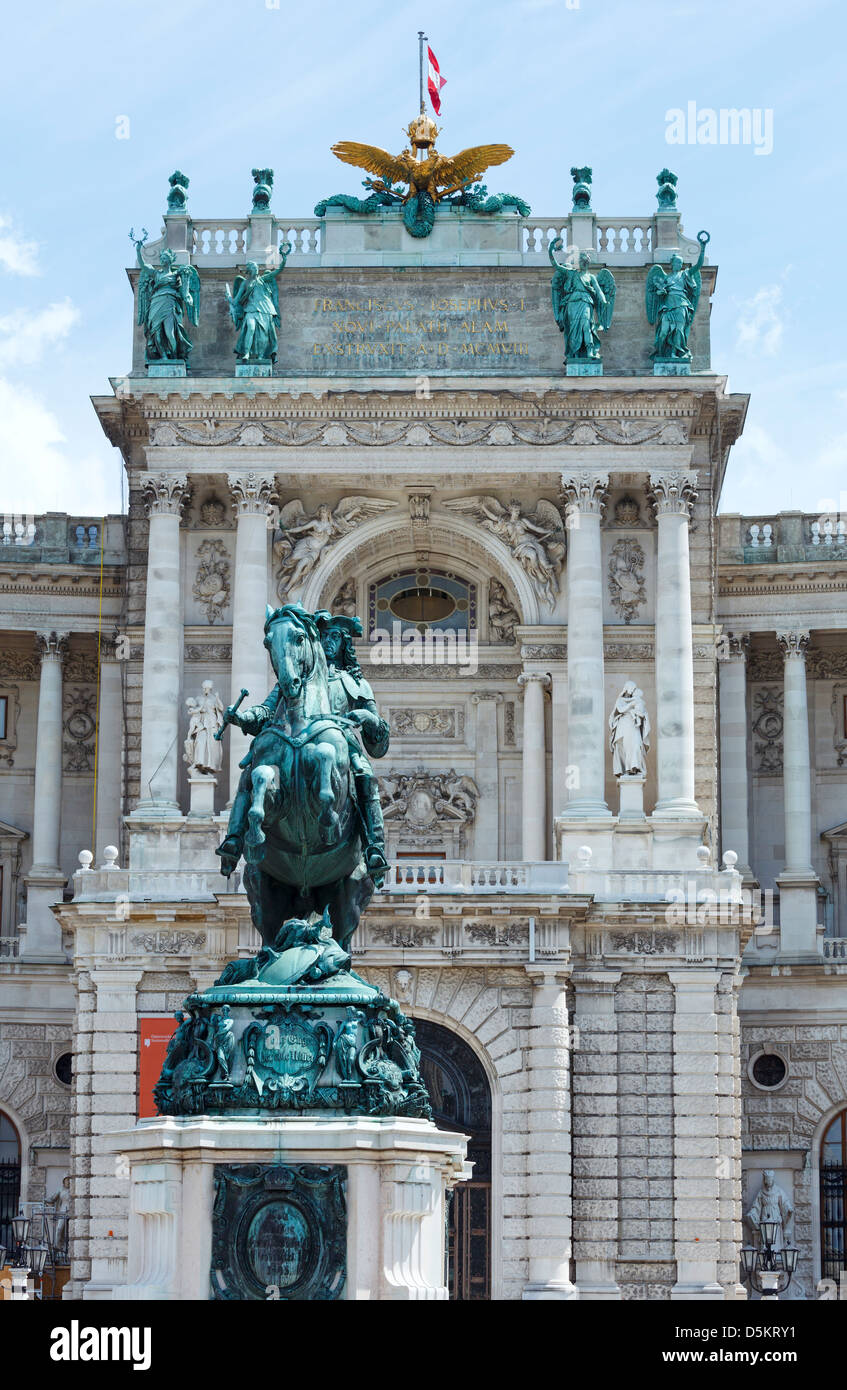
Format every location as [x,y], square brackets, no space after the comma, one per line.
[630,992]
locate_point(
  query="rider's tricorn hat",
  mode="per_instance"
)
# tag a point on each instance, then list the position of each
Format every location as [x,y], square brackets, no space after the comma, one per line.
[341,622]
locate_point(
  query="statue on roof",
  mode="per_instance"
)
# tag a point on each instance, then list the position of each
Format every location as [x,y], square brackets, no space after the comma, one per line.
[168,296]
[254,309]
[671,300]
[429,177]
[583,304]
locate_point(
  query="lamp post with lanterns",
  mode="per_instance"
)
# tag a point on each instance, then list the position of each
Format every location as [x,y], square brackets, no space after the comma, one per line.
[768,1270]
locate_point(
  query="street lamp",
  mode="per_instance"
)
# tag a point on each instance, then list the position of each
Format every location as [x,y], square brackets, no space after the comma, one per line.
[765,1268]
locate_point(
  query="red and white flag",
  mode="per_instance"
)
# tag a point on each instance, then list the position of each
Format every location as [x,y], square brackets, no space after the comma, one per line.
[434,81]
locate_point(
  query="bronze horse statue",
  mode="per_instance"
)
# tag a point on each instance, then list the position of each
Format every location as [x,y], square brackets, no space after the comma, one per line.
[303,845]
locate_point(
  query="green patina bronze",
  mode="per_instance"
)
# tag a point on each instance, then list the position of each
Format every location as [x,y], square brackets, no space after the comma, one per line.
[168,296]
[254,309]
[293,1028]
[418,212]
[583,305]
[263,180]
[178,196]
[581,188]
[671,301]
[666,196]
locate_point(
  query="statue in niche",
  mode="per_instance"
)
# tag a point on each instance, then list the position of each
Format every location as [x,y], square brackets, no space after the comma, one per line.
[502,615]
[167,296]
[301,539]
[629,724]
[536,538]
[771,1203]
[202,749]
[583,304]
[672,300]
[254,309]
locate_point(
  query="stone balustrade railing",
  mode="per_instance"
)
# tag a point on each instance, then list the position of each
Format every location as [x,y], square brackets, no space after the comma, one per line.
[467,876]
[9,947]
[834,948]
[226,242]
[56,538]
[783,538]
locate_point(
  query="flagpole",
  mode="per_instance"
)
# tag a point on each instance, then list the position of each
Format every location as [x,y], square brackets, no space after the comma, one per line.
[421,37]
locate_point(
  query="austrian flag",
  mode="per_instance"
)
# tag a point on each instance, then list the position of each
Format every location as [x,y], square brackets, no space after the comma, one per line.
[435,82]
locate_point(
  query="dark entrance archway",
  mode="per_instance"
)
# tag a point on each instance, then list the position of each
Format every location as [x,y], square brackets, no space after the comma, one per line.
[10,1177]
[461,1100]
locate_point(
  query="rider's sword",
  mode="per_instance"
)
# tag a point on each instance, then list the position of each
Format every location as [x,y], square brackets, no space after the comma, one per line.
[229,713]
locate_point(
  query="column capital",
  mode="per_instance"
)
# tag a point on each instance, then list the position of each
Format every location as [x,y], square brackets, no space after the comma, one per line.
[585,490]
[164,493]
[252,492]
[52,645]
[793,643]
[673,494]
[541,676]
[733,646]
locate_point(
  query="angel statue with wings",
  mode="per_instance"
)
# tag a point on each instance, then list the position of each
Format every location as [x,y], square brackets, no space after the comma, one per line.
[583,304]
[254,309]
[536,539]
[167,296]
[302,539]
[672,301]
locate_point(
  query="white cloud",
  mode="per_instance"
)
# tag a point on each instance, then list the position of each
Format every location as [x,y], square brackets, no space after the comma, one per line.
[16,255]
[24,334]
[38,475]
[760,324]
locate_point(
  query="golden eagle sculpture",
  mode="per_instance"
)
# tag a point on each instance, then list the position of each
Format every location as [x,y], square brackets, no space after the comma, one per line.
[429,177]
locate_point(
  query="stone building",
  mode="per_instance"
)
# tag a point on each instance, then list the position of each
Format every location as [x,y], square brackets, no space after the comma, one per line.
[630,990]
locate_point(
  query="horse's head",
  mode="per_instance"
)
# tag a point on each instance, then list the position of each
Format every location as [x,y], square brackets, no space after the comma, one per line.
[293,642]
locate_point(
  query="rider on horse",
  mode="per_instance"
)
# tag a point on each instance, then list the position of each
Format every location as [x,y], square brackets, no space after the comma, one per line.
[349,692]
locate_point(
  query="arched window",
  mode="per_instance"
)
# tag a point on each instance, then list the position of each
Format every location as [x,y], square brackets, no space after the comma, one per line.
[427,597]
[461,1100]
[10,1177]
[833,1177]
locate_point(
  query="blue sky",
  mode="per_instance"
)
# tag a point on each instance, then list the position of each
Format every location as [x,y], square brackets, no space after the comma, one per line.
[218,87]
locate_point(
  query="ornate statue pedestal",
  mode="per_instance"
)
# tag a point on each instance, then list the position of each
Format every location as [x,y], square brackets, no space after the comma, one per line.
[583,369]
[254,369]
[671,368]
[308,1207]
[166,369]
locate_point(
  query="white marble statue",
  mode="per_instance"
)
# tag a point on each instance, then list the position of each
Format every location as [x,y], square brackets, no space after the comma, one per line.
[772,1203]
[502,615]
[203,752]
[302,539]
[630,732]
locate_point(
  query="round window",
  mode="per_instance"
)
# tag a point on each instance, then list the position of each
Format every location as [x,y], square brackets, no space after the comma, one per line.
[64,1068]
[768,1070]
[422,605]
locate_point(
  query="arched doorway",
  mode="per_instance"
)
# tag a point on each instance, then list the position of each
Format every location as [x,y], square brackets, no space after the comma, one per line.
[833,1178]
[461,1100]
[10,1177]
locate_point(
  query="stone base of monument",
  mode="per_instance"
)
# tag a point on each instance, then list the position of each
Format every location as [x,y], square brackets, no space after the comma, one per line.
[310,1207]
[254,369]
[583,369]
[166,369]
[201,786]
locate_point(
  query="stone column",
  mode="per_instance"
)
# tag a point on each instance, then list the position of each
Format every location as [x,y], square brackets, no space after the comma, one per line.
[163,638]
[797,882]
[587,731]
[595,1137]
[696,1136]
[252,494]
[486,828]
[673,495]
[534,801]
[45,880]
[732,729]
[107,818]
[548,1121]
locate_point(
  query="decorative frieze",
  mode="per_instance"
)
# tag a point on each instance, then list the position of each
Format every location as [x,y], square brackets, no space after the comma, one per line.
[627,588]
[211,586]
[169,943]
[422,800]
[79,727]
[426,722]
[768,725]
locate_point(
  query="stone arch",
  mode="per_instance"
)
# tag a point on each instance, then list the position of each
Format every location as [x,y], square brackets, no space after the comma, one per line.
[19,1124]
[476,1004]
[367,542]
